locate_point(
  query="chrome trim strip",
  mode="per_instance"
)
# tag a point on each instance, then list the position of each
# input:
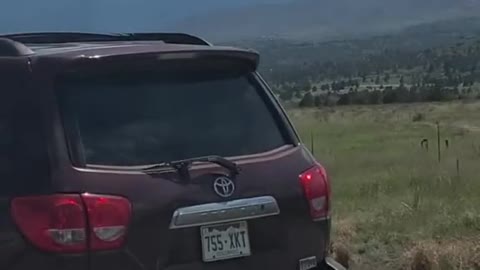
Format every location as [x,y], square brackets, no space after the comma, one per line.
[333,265]
[211,213]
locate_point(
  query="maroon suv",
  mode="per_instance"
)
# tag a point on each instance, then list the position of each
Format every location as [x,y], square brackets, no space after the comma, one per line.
[150,152]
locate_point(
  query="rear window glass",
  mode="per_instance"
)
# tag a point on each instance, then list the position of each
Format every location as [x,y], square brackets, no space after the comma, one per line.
[138,119]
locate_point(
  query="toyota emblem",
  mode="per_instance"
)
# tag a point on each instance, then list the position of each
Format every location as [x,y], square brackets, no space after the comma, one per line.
[224,187]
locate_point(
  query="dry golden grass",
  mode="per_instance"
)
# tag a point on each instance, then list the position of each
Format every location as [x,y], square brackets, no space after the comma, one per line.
[342,256]
[345,229]
[344,233]
[421,261]
[445,255]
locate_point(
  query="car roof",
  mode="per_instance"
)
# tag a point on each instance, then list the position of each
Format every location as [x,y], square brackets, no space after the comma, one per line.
[77,44]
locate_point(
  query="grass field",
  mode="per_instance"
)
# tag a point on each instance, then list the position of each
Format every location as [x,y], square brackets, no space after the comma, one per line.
[394,202]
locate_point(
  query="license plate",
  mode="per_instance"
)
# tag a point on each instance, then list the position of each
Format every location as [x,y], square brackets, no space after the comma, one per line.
[225,241]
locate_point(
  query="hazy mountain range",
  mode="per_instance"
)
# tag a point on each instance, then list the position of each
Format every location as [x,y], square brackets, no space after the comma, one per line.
[230,20]
[324,19]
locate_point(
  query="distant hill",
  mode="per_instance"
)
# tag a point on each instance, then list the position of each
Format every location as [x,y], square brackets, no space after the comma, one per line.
[437,61]
[284,60]
[324,19]
[276,52]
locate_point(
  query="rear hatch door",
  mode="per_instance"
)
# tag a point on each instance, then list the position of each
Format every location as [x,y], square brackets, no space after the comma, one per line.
[119,124]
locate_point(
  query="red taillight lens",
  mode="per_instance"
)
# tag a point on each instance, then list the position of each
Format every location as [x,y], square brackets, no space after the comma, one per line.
[52,223]
[317,192]
[58,223]
[109,217]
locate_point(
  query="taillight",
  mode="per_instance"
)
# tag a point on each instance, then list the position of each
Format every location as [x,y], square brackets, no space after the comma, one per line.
[109,217]
[62,222]
[53,223]
[317,192]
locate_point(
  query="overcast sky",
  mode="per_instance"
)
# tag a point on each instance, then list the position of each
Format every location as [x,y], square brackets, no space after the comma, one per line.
[106,15]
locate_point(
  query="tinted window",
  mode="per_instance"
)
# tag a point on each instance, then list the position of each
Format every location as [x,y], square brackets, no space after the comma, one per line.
[6,143]
[24,161]
[144,119]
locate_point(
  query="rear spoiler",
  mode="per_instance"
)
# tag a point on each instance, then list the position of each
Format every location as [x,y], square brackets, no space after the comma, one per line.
[208,58]
[245,57]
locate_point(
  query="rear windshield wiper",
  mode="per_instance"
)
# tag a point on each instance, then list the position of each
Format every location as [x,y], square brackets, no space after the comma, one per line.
[183,166]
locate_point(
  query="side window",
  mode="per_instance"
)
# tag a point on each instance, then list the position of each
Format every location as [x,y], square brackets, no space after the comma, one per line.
[6,145]
[23,154]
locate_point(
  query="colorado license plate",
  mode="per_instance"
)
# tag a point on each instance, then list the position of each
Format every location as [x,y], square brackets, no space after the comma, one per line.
[225,241]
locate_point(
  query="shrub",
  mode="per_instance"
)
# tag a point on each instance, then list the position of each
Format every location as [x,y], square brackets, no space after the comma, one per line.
[307,100]
[418,117]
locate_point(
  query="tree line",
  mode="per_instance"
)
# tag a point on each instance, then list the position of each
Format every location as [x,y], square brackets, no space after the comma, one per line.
[386,76]
[387,96]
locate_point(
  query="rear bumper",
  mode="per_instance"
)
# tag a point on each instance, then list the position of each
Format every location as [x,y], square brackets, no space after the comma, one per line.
[302,239]
[331,264]
[31,259]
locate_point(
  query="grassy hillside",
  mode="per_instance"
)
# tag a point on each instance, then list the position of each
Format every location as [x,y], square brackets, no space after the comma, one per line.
[393,200]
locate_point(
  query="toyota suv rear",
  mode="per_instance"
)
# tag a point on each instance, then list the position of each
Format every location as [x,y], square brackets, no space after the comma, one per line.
[150,151]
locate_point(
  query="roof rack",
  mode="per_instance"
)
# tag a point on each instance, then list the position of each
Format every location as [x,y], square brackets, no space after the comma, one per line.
[65,37]
[13,44]
[175,38]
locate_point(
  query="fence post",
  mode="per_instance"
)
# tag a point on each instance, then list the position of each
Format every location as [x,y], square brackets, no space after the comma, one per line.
[312,144]
[438,142]
[458,168]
